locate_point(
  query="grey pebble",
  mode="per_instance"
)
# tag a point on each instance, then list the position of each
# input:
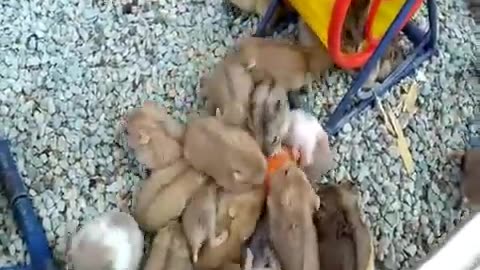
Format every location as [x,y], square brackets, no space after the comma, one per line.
[61,96]
[411,250]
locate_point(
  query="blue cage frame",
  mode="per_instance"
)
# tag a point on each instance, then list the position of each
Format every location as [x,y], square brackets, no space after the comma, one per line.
[24,214]
[354,102]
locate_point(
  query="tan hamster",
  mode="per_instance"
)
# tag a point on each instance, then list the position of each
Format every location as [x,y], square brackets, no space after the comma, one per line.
[169,250]
[199,219]
[231,266]
[227,88]
[470,184]
[257,6]
[168,202]
[344,240]
[291,66]
[154,136]
[239,212]
[268,117]
[155,183]
[226,153]
[290,206]
[111,241]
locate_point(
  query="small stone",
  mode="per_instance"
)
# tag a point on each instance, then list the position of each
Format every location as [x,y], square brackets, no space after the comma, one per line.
[392,218]
[47,225]
[411,250]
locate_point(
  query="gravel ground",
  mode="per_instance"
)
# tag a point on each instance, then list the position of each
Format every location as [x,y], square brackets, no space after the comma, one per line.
[70,69]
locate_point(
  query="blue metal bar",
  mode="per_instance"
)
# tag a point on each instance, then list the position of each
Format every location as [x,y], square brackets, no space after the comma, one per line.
[31,229]
[19,267]
[433,23]
[402,71]
[266,20]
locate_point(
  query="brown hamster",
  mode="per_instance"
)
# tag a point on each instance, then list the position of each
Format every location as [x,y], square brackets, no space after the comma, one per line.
[199,219]
[239,213]
[169,201]
[290,206]
[268,118]
[355,19]
[226,153]
[344,240]
[169,250]
[154,136]
[227,88]
[291,66]
[470,184]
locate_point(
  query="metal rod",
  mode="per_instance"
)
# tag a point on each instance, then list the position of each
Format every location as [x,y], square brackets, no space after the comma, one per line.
[23,212]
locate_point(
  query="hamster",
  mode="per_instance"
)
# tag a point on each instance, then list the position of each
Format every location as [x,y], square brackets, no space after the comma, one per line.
[279,60]
[290,206]
[320,60]
[268,117]
[470,184]
[306,135]
[226,153]
[355,20]
[291,66]
[157,206]
[110,241]
[257,6]
[344,240]
[227,88]
[157,182]
[306,36]
[154,136]
[169,250]
[199,220]
[238,213]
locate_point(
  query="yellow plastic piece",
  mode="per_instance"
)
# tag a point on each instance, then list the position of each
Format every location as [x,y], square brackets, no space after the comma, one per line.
[387,11]
[317,14]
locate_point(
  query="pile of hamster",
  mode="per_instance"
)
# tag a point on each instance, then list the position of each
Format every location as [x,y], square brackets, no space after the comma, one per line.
[204,198]
[206,204]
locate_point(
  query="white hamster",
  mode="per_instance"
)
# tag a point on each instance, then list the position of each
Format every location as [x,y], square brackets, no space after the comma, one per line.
[307,136]
[112,241]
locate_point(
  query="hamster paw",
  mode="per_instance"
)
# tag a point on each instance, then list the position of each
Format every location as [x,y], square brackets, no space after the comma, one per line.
[217,241]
